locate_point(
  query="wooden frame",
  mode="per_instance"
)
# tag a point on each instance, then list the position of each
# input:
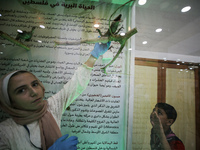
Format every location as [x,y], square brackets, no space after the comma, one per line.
[161,91]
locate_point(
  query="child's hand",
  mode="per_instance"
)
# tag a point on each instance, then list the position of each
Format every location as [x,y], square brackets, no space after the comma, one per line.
[156,123]
[154,119]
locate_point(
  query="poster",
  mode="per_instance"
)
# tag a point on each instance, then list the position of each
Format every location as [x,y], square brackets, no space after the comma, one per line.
[99,115]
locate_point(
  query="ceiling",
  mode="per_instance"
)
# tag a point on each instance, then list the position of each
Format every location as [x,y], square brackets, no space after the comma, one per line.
[180,31]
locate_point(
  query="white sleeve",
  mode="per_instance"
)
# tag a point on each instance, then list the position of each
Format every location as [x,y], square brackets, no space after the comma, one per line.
[4,143]
[78,83]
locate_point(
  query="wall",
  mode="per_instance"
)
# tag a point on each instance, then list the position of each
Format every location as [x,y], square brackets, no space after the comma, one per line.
[165,81]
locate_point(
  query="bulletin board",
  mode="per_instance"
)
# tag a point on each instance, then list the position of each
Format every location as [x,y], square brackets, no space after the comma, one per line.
[99,115]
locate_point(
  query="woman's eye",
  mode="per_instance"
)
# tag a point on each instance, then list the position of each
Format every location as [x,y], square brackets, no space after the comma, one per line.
[35,84]
[21,91]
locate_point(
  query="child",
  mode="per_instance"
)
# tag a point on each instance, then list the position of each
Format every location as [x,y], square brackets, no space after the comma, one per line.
[162,137]
[35,123]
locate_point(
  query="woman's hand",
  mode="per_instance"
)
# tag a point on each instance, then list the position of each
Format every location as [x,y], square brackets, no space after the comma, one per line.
[100,49]
[64,143]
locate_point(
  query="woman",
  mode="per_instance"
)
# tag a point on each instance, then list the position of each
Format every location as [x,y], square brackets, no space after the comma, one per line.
[34,122]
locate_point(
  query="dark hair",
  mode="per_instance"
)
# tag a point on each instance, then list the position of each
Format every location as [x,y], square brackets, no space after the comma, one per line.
[169,110]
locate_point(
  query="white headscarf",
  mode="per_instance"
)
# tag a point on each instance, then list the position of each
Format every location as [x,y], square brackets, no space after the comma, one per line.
[49,130]
[5,87]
